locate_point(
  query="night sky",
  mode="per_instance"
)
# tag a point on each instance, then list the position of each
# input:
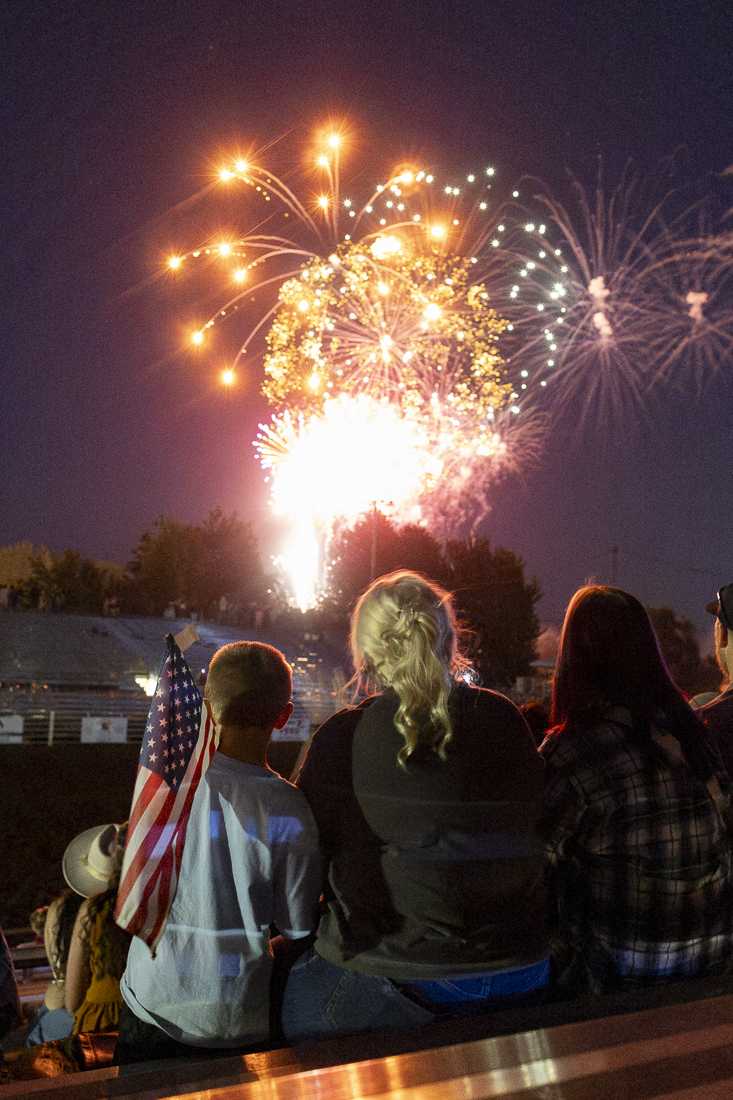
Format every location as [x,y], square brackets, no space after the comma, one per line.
[116,113]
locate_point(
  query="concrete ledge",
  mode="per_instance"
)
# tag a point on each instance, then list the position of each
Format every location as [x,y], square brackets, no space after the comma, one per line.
[523,1035]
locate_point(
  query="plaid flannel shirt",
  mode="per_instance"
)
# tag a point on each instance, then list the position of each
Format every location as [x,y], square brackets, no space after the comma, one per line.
[639,856]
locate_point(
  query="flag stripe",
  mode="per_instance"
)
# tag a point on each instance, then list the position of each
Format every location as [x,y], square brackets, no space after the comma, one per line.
[180,738]
[143,864]
[153,802]
[164,876]
[144,867]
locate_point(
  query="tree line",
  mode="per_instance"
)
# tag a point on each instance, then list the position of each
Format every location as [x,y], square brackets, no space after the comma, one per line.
[189,567]
[214,569]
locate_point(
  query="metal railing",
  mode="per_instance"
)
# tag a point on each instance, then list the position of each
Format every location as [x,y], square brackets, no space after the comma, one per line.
[52,717]
[55,717]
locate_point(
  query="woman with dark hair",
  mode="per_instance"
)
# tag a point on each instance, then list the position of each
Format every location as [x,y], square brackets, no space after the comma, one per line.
[427,798]
[636,802]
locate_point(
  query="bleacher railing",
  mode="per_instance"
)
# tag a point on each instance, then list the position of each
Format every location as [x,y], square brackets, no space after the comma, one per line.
[58,717]
[53,717]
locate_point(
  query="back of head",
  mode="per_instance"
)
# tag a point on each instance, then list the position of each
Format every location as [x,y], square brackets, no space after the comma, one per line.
[249,684]
[403,637]
[97,914]
[68,907]
[55,923]
[609,656]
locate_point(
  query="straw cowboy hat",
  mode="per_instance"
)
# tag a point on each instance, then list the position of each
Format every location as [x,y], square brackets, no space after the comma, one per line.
[91,860]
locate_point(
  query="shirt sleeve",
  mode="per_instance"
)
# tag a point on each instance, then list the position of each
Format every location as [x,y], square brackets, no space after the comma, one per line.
[307,778]
[297,880]
[322,779]
[506,765]
[720,765]
[563,809]
[525,745]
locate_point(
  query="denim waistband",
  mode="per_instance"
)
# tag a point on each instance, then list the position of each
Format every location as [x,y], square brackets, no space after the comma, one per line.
[480,987]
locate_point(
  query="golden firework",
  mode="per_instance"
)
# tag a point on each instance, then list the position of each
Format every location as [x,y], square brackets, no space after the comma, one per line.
[401,320]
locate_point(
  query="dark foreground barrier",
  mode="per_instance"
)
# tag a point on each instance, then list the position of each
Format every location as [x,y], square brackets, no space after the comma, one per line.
[52,792]
[675,1041]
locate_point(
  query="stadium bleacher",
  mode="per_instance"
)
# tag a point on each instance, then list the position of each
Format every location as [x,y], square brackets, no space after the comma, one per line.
[56,669]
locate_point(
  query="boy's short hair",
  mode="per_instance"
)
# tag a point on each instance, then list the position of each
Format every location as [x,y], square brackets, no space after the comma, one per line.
[249,684]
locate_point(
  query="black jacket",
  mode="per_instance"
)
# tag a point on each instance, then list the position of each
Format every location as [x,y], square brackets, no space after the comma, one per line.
[433,871]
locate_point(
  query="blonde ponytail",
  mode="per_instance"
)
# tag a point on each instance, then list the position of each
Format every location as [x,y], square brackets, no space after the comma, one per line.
[404,636]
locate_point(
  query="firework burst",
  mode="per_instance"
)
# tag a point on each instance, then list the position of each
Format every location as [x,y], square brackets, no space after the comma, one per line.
[383,357]
[690,294]
[641,297]
[411,335]
[400,321]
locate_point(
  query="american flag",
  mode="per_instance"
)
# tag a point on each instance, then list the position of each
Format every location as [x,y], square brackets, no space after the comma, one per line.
[177,748]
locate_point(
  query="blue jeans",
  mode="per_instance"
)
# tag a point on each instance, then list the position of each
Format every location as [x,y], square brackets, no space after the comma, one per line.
[484,987]
[322,999]
[50,1024]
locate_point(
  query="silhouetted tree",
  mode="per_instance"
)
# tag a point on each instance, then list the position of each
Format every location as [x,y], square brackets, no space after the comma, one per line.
[678,642]
[226,562]
[16,562]
[375,541]
[162,567]
[68,582]
[498,605]
[194,566]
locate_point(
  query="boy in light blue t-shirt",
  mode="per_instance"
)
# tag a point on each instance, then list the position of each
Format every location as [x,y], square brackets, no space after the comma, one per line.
[250,862]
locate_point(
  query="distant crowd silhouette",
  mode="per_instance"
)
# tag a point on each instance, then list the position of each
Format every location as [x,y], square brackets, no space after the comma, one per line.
[434,858]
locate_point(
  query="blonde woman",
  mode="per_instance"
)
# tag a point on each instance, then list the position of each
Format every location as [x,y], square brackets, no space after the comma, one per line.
[426,796]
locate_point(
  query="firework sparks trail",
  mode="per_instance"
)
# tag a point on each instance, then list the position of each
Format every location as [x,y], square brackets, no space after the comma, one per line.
[599,293]
[332,467]
[643,296]
[691,300]
[696,300]
[410,335]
